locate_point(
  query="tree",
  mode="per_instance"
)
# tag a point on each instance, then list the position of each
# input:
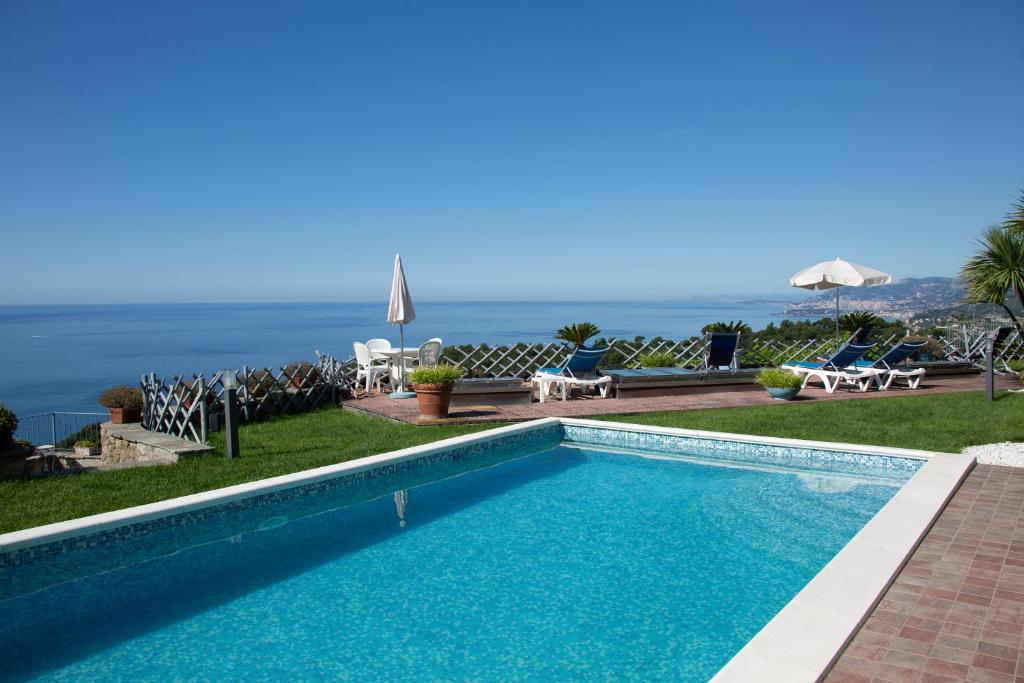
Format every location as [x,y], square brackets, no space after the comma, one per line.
[997,268]
[1014,222]
[731,326]
[578,333]
[865,321]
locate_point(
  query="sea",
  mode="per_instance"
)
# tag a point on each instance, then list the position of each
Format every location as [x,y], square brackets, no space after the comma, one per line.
[61,357]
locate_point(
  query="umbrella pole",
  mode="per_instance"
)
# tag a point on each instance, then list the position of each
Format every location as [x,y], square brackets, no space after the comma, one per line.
[837,318]
[401,357]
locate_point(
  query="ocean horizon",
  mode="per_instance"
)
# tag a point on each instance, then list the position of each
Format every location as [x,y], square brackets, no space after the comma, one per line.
[60,357]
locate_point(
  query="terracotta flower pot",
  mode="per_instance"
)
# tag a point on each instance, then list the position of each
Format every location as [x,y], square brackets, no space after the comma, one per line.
[433,399]
[120,416]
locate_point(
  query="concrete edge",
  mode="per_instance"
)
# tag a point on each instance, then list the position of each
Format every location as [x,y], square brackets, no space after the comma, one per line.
[26,538]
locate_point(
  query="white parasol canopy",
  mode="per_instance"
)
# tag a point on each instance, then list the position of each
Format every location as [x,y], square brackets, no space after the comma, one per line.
[401,313]
[836,274]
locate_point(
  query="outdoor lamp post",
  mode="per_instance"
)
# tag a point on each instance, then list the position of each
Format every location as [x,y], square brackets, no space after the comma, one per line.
[230,380]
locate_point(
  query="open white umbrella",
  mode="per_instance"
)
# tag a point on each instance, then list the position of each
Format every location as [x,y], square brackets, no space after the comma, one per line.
[836,274]
[401,313]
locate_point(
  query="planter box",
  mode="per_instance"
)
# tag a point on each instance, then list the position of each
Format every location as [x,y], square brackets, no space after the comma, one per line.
[491,391]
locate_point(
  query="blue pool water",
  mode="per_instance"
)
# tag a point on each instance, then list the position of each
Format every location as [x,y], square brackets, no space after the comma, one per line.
[566,564]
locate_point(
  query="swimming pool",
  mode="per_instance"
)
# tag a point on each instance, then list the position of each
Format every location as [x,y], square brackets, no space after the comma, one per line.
[561,550]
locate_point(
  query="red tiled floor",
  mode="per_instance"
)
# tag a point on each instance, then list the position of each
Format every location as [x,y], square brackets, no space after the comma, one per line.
[954,613]
[734,396]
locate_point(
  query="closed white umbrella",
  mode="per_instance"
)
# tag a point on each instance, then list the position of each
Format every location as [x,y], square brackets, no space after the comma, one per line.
[401,313]
[401,502]
[836,274]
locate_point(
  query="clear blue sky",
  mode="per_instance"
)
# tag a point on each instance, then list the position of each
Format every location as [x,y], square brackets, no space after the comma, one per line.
[198,151]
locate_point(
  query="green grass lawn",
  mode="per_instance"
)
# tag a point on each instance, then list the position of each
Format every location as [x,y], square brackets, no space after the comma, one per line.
[945,422]
[280,446]
[940,422]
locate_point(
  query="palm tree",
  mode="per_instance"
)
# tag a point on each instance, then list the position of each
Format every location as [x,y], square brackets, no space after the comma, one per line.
[731,326]
[865,321]
[1014,222]
[997,269]
[578,333]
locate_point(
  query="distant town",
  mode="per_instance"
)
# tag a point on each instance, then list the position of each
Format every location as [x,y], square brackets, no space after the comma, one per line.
[922,301]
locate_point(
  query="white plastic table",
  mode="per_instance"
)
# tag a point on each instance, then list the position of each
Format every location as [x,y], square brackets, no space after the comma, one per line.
[393,357]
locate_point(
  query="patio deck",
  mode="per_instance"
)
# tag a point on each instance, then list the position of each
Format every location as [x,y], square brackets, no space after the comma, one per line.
[726,396]
[956,610]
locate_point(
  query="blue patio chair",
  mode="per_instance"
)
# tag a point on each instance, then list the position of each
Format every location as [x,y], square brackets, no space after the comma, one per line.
[888,367]
[835,370]
[721,351]
[580,370]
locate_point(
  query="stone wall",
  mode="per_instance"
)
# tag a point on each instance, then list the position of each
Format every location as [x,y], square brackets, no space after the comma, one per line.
[129,445]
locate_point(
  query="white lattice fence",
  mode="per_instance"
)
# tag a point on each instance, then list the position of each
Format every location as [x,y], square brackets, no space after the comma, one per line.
[185,407]
[963,337]
[523,359]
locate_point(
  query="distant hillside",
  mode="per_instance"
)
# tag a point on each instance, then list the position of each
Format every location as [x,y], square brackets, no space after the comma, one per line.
[901,300]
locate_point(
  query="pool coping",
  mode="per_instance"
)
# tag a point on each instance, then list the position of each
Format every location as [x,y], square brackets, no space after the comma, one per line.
[801,642]
[48,533]
[805,638]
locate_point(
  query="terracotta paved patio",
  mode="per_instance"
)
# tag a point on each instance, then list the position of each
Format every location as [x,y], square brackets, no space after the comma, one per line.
[956,611]
[717,397]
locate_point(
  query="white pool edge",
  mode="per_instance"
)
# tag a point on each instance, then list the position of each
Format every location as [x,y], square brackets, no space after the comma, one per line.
[48,533]
[800,643]
[806,637]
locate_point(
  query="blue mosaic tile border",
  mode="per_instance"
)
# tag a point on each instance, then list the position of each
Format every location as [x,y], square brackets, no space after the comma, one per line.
[61,560]
[744,451]
[369,482]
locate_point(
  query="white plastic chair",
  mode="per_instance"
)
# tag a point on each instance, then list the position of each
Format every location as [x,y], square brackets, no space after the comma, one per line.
[378,345]
[429,352]
[367,369]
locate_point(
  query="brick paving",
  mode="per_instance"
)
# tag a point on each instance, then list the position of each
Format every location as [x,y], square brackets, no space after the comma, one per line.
[718,397]
[956,611]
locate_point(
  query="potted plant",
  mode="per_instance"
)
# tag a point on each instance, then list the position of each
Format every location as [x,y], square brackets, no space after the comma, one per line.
[84,447]
[783,385]
[433,386]
[303,374]
[577,334]
[261,383]
[124,403]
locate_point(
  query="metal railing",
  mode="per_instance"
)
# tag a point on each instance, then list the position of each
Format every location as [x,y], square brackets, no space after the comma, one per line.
[60,430]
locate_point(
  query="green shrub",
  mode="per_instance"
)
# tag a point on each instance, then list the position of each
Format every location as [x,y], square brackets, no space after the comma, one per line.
[660,359]
[86,433]
[122,396]
[577,334]
[1018,367]
[933,347]
[777,378]
[436,374]
[25,444]
[84,443]
[8,425]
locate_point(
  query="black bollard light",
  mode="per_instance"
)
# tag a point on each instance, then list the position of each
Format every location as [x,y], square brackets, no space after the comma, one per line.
[990,375]
[231,413]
